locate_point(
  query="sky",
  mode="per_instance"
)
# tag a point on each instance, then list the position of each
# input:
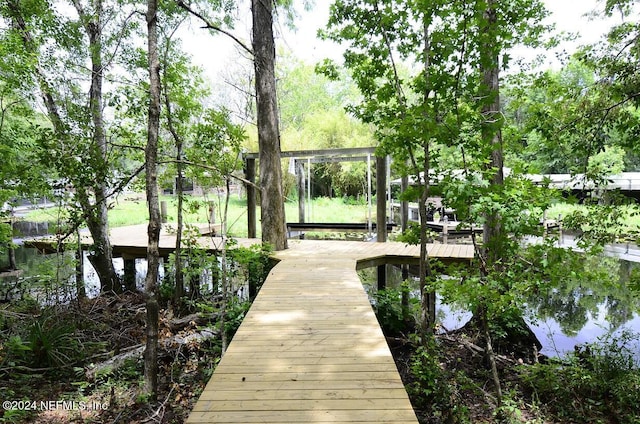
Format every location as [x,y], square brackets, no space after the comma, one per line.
[215,53]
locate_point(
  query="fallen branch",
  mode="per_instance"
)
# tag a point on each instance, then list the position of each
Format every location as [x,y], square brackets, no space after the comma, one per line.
[475,349]
[136,352]
[177,324]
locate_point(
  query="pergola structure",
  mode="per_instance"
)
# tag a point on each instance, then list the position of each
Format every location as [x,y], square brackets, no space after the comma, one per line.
[300,157]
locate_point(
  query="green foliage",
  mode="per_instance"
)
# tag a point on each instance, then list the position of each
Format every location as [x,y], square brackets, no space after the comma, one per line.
[597,383]
[235,313]
[255,262]
[14,351]
[216,147]
[303,94]
[433,388]
[391,313]
[598,224]
[606,163]
[52,343]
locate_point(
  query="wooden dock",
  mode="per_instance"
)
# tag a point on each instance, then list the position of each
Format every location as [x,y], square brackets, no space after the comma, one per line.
[311,350]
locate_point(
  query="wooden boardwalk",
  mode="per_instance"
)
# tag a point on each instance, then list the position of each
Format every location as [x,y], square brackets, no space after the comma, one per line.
[310,350]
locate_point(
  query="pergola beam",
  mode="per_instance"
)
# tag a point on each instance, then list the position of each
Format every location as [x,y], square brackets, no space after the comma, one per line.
[352,151]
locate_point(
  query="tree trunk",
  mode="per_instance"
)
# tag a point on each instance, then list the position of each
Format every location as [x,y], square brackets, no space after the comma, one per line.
[491,126]
[101,257]
[94,213]
[151,156]
[427,296]
[178,293]
[272,198]
[493,237]
[179,278]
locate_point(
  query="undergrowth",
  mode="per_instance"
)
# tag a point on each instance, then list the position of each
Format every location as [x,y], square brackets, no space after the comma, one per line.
[448,380]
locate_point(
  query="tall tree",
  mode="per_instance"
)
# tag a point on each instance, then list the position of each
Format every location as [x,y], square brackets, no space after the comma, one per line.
[411,90]
[75,144]
[151,159]
[95,212]
[263,54]
[272,195]
[429,73]
[491,134]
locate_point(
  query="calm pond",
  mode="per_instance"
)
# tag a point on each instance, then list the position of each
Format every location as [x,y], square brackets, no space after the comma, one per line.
[573,314]
[579,312]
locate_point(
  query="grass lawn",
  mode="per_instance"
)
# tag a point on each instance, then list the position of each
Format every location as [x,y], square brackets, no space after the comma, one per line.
[631,220]
[132,209]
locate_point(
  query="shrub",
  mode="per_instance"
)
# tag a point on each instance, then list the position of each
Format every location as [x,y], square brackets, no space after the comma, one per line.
[390,312]
[599,382]
[434,389]
[51,343]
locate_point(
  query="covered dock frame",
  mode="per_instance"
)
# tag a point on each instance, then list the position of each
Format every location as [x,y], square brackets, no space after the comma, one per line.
[299,157]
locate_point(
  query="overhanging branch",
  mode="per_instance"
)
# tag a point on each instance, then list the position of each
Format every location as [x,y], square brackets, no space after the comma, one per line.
[213,168]
[209,25]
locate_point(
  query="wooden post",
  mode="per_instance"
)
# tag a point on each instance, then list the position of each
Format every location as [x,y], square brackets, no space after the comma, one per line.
[381,199]
[250,175]
[382,277]
[445,231]
[129,273]
[299,167]
[253,286]
[404,205]
[81,291]
[163,211]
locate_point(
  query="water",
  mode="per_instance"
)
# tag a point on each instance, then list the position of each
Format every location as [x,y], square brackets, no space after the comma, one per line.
[51,278]
[579,312]
[572,314]
[575,313]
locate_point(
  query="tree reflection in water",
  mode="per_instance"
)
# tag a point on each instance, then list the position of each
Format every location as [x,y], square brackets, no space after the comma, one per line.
[594,299]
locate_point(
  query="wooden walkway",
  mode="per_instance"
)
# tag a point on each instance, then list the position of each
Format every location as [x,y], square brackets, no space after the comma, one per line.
[310,350]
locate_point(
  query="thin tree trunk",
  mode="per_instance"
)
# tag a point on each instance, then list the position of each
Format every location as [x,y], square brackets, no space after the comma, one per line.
[81,291]
[272,198]
[11,252]
[224,274]
[493,238]
[151,156]
[178,293]
[428,296]
[95,214]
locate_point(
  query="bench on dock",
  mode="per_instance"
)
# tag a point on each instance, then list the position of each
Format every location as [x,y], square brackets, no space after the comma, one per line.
[298,228]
